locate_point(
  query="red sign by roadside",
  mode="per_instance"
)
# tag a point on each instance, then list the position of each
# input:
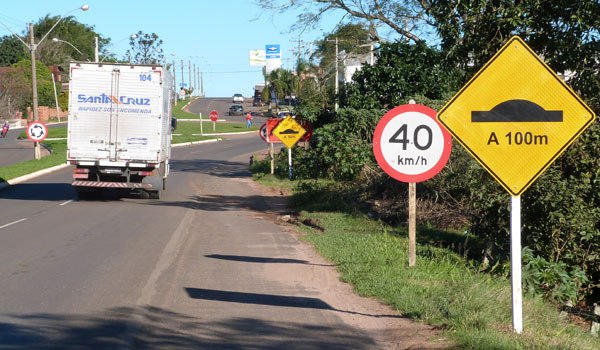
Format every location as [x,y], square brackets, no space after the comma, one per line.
[214,115]
[271,125]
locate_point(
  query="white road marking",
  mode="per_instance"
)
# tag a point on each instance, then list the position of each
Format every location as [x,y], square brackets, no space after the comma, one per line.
[12,223]
[65,203]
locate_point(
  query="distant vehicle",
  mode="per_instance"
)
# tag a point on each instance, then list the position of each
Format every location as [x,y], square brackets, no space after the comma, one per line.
[285,114]
[238,98]
[257,102]
[236,110]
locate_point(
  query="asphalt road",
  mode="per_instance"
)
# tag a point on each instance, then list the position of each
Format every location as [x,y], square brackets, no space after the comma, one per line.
[221,105]
[204,267]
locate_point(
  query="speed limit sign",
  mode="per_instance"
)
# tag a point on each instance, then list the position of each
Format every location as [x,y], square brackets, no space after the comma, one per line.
[410,145]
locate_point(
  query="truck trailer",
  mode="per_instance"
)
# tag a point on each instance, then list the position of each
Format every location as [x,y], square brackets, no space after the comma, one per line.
[120,127]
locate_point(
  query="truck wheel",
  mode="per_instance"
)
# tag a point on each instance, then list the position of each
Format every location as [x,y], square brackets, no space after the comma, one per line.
[154,194]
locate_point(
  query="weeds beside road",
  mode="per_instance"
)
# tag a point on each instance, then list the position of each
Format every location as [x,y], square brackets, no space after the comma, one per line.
[444,289]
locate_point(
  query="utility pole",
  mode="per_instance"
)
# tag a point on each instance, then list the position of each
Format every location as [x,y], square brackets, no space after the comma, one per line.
[96,49]
[201,84]
[174,83]
[299,53]
[182,79]
[190,74]
[36,145]
[195,80]
[336,73]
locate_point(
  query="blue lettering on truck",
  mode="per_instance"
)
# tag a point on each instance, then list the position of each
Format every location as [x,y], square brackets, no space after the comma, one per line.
[104,98]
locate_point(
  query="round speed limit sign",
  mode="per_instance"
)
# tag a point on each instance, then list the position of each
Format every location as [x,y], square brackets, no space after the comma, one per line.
[410,145]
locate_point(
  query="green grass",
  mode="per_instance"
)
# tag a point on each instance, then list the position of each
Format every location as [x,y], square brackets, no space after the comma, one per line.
[53,133]
[179,113]
[58,156]
[444,289]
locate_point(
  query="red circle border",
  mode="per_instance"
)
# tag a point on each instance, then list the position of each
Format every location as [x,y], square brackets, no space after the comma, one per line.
[45,131]
[394,112]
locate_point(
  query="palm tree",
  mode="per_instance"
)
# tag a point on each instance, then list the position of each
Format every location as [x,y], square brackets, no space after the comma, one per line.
[278,83]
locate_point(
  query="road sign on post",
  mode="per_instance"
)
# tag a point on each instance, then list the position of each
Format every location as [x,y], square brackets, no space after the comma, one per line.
[214,116]
[37,131]
[289,132]
[410,146]
[516,116]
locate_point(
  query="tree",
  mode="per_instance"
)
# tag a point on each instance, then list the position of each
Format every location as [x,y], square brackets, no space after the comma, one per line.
[401,70]
[13,90]
[565,33]
[79,35]
[146,48]
[405,17]
[279,83]
[11,50]
[44,84]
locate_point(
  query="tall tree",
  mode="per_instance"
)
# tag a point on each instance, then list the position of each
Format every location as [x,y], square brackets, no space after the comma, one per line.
[565,33]
[401,70]
[78,42]
[146,48]
[405,17]
[11,50]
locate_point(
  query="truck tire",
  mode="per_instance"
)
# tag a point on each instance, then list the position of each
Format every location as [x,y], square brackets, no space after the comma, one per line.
[154,194]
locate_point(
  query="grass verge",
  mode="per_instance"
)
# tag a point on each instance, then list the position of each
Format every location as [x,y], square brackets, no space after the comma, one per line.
[444,289]
[58,156]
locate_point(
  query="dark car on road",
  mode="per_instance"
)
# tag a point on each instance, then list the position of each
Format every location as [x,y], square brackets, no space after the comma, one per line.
[236,110]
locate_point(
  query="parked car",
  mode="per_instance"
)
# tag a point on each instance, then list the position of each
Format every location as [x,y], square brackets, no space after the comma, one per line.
[236,110]
[285,114]
[238,98]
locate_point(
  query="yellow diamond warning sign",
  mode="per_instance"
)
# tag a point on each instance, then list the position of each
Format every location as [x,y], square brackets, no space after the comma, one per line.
[516,116]
[289,132]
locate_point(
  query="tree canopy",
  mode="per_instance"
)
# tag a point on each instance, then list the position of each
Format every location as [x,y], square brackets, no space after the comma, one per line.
[145,48]
[405,17]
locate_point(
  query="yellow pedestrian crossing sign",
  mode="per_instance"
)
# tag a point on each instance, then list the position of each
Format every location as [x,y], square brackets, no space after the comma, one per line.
[289,131]
[516,116]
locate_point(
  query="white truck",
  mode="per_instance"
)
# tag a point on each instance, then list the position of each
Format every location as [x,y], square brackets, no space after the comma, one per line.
[120,125]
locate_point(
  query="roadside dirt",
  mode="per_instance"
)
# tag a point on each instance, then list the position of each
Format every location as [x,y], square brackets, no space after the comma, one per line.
[389,329]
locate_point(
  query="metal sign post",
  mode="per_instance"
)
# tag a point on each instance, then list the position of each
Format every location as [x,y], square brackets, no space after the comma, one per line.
[515,263]
[201,130]
[289,132]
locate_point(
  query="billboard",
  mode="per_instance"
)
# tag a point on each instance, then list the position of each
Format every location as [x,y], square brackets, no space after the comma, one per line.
[273,57]
[258,58]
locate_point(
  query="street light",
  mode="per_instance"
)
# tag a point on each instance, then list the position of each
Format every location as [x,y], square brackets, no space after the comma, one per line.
[32,48]
[56,40]
[132,36]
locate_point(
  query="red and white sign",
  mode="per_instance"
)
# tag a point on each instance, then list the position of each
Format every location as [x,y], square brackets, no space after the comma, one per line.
[271,125]
[410,145]
[214,115]
[37,131]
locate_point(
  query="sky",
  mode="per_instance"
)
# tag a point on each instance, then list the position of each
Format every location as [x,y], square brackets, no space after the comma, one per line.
[216,35]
